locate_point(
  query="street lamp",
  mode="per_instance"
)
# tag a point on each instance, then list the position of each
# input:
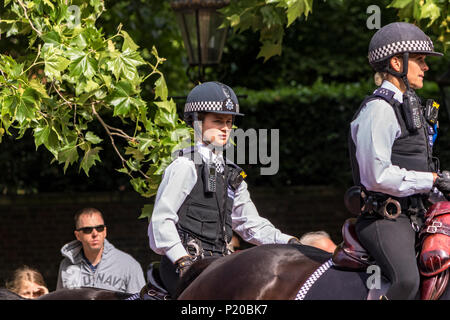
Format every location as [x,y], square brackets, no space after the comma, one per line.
[199,22]
[444,85]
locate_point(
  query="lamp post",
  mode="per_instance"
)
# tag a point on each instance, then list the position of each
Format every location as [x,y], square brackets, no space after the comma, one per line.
[444,86]
[204,40]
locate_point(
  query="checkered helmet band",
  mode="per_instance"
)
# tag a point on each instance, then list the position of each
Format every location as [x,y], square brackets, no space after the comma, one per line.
[391,49]
[397,38]
[210,106]
[213,97]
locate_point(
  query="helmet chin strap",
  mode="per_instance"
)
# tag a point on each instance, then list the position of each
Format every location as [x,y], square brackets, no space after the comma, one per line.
[404,74]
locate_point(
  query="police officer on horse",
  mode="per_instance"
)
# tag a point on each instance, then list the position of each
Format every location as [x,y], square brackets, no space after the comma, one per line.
[391,149]
[203,197]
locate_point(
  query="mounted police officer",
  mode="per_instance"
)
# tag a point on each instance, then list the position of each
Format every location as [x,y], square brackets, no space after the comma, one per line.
[202,197]
[391,141]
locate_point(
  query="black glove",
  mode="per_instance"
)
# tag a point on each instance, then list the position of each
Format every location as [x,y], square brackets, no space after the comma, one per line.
[183,264]
[294,241]
[443,183]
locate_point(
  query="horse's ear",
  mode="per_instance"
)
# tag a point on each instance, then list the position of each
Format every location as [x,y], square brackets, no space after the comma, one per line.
[192,273]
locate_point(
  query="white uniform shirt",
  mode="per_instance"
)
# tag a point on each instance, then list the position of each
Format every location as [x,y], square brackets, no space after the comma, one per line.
[177,183]
[374,132]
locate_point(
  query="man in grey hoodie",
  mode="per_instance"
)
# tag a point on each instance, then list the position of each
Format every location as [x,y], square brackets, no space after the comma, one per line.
[92,261]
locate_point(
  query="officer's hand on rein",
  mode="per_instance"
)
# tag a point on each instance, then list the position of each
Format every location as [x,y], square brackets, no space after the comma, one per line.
[183,264]
[294,240]
[443,183]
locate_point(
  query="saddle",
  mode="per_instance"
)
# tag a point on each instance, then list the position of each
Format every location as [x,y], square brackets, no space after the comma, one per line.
[434,250]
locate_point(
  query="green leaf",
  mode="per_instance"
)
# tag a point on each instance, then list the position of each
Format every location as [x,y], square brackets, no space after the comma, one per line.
[269,49]
[161,88]
[128,42]
[168,105]
[297,8]
[39,88]
[147,211]
[25,106]
[124,65]
[68,155]
[51,38]
[431,11]
[89,159]
[165,119]
[400,4]
[122,98]
[137,154]
[84,65]
[91,137]
[270,16]
[55,63]
[145,142]
[52,143]
[41,135]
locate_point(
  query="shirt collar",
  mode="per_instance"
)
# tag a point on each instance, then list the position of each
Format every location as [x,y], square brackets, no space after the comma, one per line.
[398,95]
[207,154]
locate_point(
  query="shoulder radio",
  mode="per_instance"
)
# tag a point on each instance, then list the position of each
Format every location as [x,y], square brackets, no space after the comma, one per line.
[412,110]
[210,177]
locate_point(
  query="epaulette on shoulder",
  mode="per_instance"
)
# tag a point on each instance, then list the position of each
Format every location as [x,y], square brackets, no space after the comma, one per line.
[186,152]
[384,93]
[190,153]
[236,167]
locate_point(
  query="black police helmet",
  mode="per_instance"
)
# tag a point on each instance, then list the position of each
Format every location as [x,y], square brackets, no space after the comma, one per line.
[398,38]
[212,97]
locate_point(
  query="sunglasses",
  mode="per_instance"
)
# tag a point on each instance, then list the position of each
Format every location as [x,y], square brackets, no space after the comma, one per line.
[88,230]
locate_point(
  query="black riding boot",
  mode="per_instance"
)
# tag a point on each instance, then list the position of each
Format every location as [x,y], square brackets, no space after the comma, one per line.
[169,276]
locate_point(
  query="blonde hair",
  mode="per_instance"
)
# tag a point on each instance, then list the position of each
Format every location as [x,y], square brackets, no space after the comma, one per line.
[379,77]
[25,273]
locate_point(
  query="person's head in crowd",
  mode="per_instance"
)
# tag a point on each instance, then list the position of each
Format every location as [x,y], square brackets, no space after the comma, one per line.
[235,243]
[28,283]
[90,229]
[318,239]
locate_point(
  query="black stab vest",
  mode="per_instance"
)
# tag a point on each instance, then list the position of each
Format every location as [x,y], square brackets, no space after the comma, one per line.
[206,216]
[411,151]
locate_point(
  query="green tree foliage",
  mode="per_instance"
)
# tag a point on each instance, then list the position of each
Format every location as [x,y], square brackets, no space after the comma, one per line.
[433,15]
[269,18]
[73,78]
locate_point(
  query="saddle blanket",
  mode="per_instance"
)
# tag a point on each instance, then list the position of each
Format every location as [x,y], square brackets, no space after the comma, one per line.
[330,283]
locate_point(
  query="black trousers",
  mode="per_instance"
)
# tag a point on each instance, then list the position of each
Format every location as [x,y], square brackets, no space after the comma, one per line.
[392,244]
[169,276]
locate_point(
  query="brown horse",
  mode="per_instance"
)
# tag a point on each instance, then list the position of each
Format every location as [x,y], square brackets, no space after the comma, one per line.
[262,272]
[275,272]
[71,294]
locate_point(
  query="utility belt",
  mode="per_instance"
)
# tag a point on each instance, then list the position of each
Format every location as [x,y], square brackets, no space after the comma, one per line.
[195,247]
[360,201]
[389,207]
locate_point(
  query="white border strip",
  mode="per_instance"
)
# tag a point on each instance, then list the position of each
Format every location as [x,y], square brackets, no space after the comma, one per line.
[312,279]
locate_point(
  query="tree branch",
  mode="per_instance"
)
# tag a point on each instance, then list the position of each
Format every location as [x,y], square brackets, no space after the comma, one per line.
[110,134]
[29,20]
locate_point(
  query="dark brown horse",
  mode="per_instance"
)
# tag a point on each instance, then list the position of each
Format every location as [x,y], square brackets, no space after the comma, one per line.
[276,272]
[71,294]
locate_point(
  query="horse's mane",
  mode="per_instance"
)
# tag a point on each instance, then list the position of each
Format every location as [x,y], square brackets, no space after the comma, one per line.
[6,294]
[192,273]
